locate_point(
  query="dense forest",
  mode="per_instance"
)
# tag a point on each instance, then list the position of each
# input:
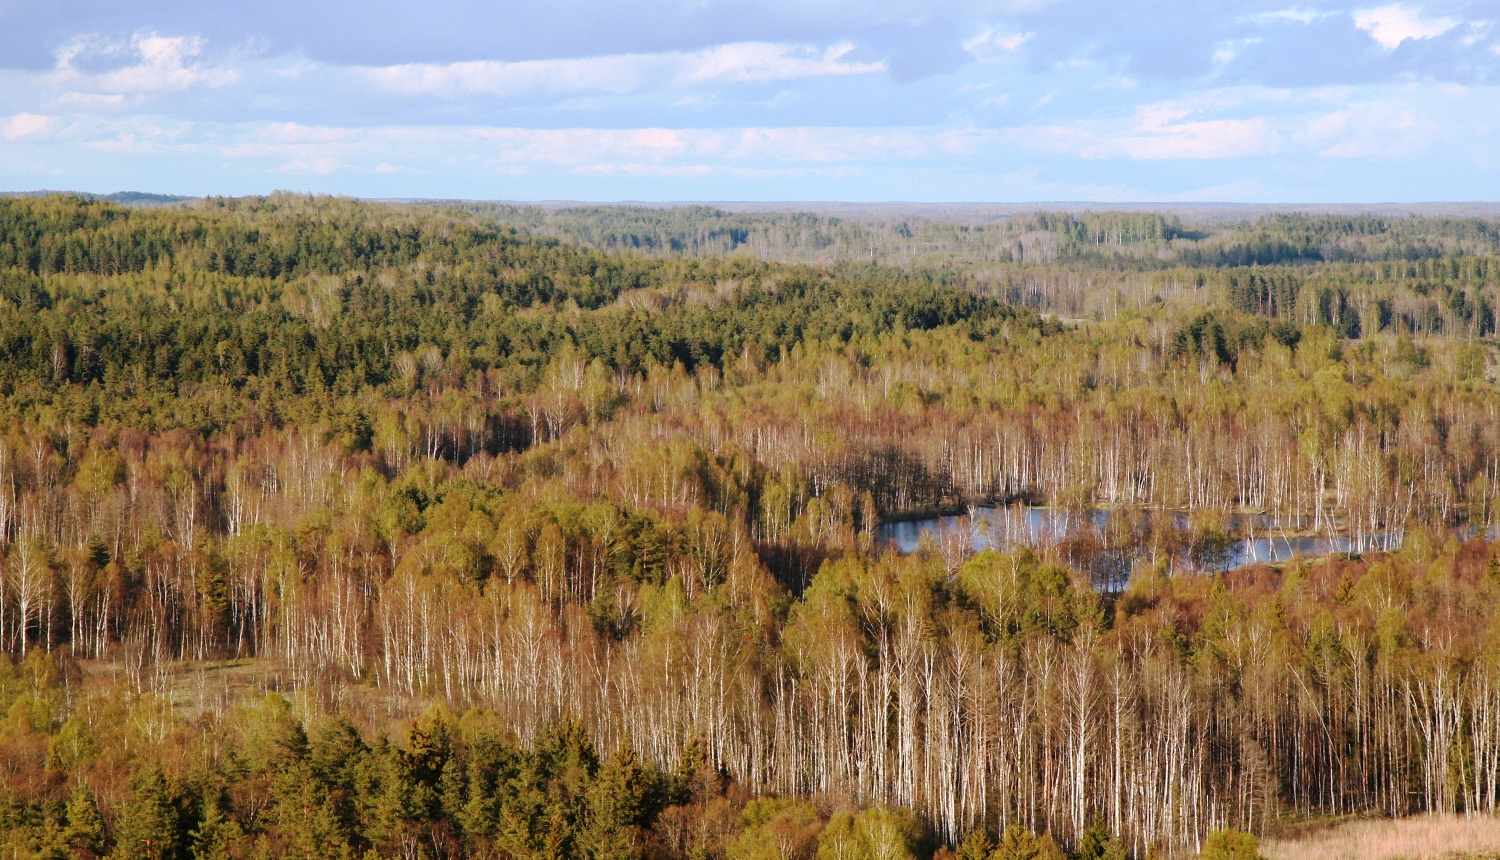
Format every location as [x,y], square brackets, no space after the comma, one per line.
[975,235]
[334,528]
[1095,264]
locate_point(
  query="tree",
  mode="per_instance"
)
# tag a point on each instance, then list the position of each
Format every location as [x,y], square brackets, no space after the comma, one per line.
[978,846]
[32,578]
[618,804]
[1230,845]
[1017,843]
[84,833]
[777,829]
[1100,844]
[152,822]
[218,835]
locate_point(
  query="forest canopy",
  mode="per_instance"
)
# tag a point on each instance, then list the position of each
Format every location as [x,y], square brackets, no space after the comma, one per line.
[335,528]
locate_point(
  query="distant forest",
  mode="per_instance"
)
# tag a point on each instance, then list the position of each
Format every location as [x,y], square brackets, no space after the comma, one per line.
[1096,264]
[332,528]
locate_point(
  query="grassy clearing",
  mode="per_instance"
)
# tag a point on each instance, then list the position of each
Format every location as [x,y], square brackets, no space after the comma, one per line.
[1408,838]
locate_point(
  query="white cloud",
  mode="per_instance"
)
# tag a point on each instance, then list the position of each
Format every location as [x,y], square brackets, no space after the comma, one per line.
[705,171]
[323,165]
[146,64]
[1330,129]
[1200,139]
[826,144]
[619,74]
[964,141]
[637,169]
[680,152]
[737,62]
[1328,125]
[764,61]
[1380,129]
[92,101]
[296,132]
[571,147]
[135,136]
[992,44]
[816,145]
[1392,24]
[1225,52]
[1164,131]
[1299,16]
[24,125]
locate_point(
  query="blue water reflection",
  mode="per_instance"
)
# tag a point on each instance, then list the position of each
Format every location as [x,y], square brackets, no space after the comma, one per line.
[1262,541]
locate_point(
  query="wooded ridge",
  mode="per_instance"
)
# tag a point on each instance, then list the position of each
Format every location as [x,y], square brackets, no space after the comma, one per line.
[336,528]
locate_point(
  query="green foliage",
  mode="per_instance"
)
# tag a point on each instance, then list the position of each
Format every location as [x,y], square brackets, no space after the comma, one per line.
[977,845]
[402,459]
[1230,845]
[777,829]
[872,834]
[218,835]
[1019,843]
[1098,843]
[1021,595]
[618,803]
[154,823]
[313,309]
[1141,240]
[84,834]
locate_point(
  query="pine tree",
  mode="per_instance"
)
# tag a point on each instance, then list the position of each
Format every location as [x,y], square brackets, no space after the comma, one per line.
[1099,844]
[218,836]
[617,805]
[151,823]
[1017,843]
[84,833]
[977,845]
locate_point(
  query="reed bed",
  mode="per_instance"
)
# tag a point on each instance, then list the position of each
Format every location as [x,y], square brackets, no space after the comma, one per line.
[1419,838]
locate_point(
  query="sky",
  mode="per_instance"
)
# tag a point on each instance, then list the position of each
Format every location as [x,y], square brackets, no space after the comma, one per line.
[784,100]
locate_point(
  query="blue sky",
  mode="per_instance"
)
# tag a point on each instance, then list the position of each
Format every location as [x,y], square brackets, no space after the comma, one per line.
[1015,100]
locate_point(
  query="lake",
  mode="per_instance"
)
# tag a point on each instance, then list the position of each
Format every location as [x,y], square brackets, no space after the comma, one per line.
[1034,527]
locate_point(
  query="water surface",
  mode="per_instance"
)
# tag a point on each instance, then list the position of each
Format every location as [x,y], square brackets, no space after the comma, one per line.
[1264,541]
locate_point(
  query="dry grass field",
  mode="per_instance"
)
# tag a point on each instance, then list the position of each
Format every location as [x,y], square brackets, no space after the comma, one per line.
[1410,838]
